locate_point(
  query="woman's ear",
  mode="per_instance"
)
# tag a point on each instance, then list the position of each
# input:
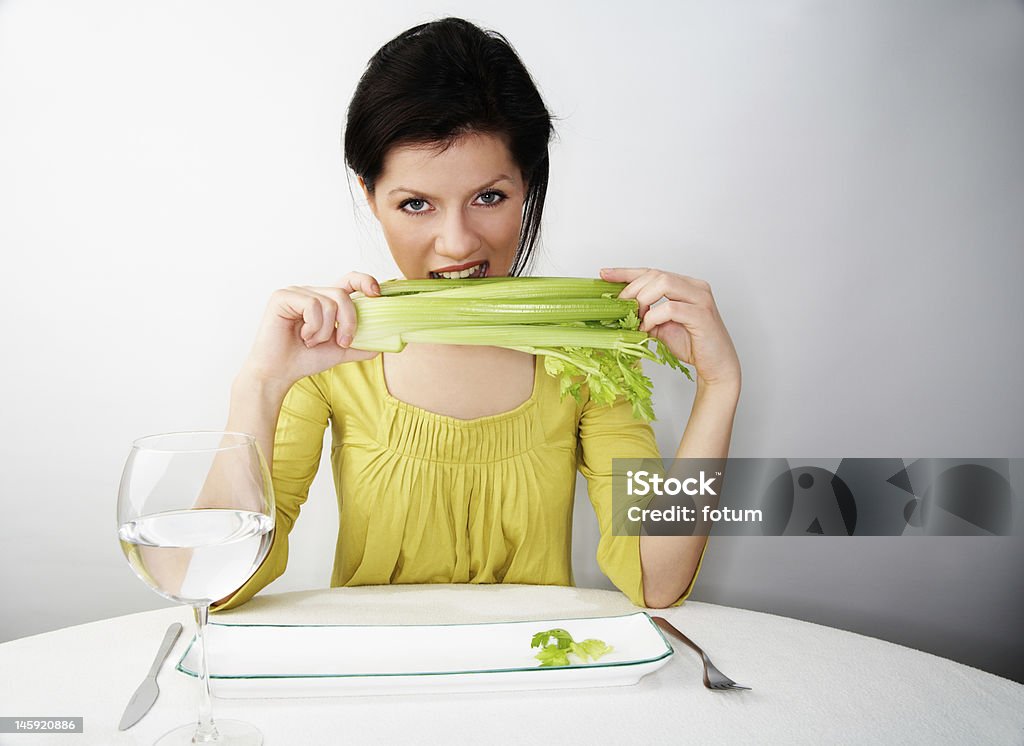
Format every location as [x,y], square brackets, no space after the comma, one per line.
[370,200]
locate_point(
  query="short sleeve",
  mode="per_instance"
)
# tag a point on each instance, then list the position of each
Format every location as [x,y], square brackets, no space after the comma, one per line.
[298,443]
[605,433]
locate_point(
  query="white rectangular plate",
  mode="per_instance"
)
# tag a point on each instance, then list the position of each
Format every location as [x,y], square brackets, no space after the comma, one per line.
[264,660]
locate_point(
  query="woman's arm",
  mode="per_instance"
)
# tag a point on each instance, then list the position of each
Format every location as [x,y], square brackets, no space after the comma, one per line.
[680,311]
[304,331]
[669,562]
[254,409]
[295,436]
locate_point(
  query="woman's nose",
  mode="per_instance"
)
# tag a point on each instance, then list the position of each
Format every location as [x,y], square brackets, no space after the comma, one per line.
[457,238]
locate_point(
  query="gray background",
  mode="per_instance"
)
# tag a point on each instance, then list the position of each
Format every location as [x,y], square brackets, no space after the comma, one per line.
[849,177]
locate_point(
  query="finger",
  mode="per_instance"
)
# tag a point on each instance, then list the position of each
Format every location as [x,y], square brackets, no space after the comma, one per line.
[638,289]
[315,314]
[346,321]
[359,282]
[622,274]
[627,275]
[674,287]
[289,303]
[690,315]
[312,319]
[635,287]
[329,313]
[345,316]
[340,313]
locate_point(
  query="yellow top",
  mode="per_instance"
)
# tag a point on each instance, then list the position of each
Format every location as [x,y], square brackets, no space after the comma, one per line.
[427,498]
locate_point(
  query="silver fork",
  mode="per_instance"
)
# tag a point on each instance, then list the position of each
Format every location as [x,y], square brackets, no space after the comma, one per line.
[713,678]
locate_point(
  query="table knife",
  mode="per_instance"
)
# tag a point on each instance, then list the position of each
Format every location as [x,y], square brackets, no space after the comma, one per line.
[148,691]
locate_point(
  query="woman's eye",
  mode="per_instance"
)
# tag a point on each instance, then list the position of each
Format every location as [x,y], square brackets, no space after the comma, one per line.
[414,205]
[491,198]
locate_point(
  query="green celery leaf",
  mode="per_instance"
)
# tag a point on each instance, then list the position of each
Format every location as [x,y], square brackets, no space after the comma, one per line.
[557,653]
[592,648]
[553,365]
[562,638]
[666,357]
[580,652]
[552,655]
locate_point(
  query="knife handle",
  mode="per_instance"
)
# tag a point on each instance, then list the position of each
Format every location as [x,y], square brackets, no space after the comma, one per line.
[165,648]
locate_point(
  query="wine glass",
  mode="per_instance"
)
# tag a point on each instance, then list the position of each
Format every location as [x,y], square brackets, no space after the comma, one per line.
[195,516]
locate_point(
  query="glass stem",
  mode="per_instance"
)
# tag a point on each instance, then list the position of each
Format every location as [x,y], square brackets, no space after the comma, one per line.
[206,732]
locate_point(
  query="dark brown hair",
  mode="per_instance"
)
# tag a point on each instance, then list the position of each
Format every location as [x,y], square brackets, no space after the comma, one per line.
[439,81]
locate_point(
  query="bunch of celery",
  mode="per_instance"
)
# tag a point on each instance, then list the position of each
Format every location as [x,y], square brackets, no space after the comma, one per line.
[584,331]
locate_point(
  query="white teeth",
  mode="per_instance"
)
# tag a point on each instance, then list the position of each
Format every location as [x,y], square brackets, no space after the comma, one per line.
[462,274]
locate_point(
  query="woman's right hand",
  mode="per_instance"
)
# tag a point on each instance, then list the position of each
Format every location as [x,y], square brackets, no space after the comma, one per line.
[298,337]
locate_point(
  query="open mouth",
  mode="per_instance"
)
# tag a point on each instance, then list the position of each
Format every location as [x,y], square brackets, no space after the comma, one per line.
[477,270]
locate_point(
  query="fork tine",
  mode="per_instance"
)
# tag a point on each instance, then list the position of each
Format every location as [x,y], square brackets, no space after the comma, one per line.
[713,678]
[721,681]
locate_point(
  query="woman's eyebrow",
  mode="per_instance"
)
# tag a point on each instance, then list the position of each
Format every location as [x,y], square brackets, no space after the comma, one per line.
[488,185]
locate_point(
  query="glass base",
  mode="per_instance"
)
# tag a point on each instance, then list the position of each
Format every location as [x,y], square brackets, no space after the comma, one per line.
[232,733]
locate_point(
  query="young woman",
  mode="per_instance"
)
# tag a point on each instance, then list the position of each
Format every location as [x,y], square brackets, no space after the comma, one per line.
[456,464]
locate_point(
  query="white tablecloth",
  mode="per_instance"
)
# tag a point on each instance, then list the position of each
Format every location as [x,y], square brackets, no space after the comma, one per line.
[811,684]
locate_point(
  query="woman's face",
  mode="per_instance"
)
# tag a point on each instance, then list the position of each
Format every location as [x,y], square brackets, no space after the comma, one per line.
[455,211]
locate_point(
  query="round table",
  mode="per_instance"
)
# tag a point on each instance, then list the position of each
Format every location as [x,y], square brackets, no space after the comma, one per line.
[811,684]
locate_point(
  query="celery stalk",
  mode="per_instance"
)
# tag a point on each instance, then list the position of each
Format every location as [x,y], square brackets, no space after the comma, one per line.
[586,334]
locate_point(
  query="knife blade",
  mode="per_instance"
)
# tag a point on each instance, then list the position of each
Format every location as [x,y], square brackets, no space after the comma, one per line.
[148,690]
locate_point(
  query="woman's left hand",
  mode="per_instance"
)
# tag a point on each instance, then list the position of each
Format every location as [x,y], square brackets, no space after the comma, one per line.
[687,321]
